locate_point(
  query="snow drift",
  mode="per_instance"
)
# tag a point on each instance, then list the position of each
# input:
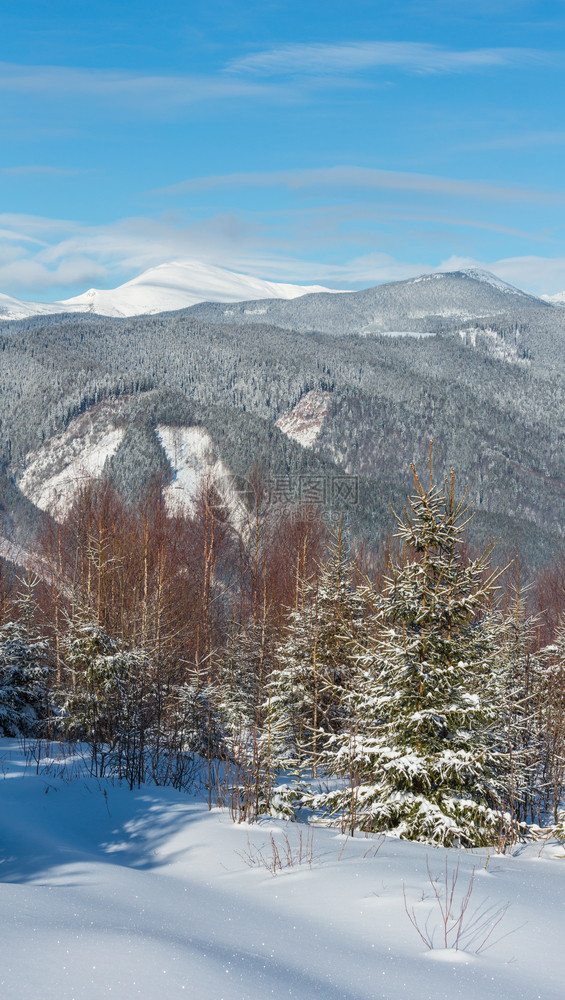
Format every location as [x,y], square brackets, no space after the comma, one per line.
[107,892]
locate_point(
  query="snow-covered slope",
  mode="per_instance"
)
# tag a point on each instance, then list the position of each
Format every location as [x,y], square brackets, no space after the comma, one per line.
[11,308]
[494,345]
[193,457]
[25,559]
[107,892]
[477,274]
[53,472]
[181,284]
[557,300]
[304,422]
[175,285]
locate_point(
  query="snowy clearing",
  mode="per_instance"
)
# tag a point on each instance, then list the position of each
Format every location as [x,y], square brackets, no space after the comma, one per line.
[193,457]
[56,470]
[145,893]
[305,421]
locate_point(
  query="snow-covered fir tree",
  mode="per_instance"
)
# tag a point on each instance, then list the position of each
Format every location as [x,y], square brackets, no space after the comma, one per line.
[307,691]
[195,721]
[551,759]
[23,669]
[426,755]
[244,663]
[520,679]
[23,674]
[111,706]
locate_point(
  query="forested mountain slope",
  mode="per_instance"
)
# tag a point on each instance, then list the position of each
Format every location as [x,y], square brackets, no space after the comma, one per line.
[417,304]
[490,392]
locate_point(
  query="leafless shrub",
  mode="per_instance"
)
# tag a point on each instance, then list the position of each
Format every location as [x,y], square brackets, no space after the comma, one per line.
[236,778]
[375,847]
[276,858]
[458,927]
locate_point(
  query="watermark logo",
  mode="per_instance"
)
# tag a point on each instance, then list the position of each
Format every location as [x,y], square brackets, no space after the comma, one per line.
[314,490]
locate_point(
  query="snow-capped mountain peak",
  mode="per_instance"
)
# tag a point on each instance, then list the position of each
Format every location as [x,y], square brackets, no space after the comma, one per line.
[180,284]
[175,285]
[557,300]
[476,274]
[480,274]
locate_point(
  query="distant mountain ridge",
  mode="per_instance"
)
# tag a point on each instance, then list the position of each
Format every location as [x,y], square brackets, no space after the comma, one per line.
[490,391]
[167,287]
[220,295]
[557,300]
[416,305]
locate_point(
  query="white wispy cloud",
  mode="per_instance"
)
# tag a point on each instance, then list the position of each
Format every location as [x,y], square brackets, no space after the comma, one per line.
[541,275]
[367,210]
[33,170]
[38,255]
[350,57]
[245,77]
[148,91]
[44,254]
[30,274]
[49,253]
[522,140]
[368,178]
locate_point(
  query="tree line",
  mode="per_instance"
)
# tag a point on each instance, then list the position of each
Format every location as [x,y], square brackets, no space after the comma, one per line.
[415,688]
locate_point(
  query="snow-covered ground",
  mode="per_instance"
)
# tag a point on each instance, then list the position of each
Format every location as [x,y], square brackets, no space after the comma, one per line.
[55,471]
[395,333]
[304,422]
[192,455]
[108,892]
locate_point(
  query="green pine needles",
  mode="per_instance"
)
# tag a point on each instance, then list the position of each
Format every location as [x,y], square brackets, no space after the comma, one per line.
[426,758]
[308,689]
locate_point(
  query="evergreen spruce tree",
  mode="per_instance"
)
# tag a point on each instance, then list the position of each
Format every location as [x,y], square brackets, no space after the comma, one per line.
[307,691]
[520,682]
[196,722]
[551,761]
[111,706]
[426,754]
[244,664]
[23,675]
[24,670]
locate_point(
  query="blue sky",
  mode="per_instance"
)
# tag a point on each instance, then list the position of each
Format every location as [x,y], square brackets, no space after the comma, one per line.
[345,143]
